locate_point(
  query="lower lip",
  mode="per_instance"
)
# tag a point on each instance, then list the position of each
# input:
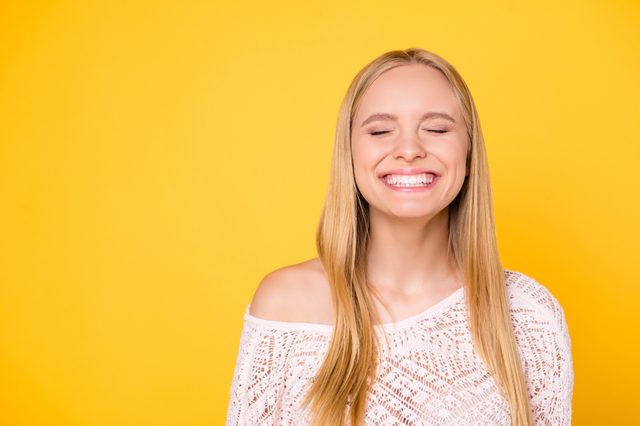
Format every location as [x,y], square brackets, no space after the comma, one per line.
[411,188]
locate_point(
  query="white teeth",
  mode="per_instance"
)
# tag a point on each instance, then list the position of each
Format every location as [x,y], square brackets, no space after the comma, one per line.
[422,179]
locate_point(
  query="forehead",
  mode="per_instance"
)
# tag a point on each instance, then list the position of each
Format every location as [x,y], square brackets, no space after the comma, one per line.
[409,90]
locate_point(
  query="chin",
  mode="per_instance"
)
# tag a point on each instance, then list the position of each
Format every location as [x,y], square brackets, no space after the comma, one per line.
[412,214]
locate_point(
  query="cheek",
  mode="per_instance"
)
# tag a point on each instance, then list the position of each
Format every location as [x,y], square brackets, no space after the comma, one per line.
[362,158]
[364,165]
[455,154]
[369,150]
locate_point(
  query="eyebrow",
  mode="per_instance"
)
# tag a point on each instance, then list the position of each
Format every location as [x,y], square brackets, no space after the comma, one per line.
[387,116]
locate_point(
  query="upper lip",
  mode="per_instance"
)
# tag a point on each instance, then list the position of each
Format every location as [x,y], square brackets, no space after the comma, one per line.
[407,171]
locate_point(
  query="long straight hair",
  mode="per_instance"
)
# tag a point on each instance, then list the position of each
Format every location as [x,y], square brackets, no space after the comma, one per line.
[345,377]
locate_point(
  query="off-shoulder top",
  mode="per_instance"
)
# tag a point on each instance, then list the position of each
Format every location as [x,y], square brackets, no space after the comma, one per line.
[430,374]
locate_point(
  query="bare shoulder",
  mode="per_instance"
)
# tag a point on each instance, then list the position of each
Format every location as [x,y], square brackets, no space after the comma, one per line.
[294,293]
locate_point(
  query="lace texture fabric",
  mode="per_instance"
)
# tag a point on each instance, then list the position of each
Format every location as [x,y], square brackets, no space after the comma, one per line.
[429,374]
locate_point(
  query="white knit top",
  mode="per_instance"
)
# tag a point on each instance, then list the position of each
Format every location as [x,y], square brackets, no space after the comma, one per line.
[429,375]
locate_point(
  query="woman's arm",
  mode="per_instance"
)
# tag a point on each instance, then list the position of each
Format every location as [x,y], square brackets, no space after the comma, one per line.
[545,347]
[254,395]
[553,403]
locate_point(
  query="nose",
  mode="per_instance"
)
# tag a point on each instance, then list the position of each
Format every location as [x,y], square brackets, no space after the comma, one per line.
[409,147]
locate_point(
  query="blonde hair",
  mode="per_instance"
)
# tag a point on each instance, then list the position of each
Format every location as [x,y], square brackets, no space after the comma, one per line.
[349,367]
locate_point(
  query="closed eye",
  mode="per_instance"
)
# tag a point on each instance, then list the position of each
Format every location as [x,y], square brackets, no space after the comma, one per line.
[381,132]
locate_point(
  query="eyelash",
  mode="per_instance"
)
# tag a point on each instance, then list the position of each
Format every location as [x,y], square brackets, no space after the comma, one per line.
[380,132]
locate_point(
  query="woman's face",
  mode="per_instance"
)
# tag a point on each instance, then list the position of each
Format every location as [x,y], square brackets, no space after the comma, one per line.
[408,126]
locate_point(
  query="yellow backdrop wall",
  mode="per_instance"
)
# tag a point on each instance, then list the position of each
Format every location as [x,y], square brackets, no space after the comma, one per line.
[158,158]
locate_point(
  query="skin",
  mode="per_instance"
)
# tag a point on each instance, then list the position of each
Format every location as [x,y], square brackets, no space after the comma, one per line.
[407,264]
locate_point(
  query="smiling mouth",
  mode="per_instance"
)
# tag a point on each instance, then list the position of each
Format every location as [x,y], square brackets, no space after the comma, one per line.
[417,182]
[409,180]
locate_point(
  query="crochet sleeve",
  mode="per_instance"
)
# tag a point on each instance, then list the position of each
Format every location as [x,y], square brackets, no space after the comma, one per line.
[276,362]
[563,373]
[553,393]
[256,379]
[545,345]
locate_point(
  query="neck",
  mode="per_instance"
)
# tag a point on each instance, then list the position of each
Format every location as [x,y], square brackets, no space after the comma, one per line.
[409,257]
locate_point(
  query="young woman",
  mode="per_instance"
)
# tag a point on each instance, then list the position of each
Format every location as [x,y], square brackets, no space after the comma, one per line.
[406,251]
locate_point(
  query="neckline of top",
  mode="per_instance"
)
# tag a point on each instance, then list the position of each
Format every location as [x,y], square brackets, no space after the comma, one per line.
[389,326]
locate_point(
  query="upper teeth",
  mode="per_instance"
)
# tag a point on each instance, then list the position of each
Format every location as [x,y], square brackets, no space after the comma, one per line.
[409,179]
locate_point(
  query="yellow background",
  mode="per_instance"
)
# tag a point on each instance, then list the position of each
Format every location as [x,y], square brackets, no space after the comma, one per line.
[158,158]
